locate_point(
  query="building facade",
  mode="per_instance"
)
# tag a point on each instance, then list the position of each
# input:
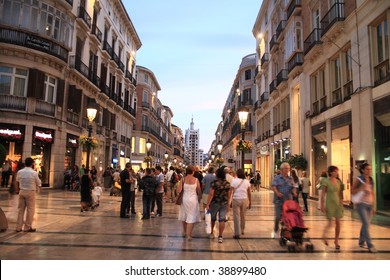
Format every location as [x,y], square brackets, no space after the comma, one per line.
[242,94]
[192,145]
[153,123]
[323,84]
[58,57]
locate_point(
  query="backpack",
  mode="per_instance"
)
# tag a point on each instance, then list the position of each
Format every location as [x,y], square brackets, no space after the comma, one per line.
[174,178]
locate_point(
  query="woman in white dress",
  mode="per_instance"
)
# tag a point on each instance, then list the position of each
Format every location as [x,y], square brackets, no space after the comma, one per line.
[189,209]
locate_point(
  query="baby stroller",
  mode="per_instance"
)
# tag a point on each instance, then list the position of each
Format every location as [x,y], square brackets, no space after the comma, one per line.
[293,228]
[116,190]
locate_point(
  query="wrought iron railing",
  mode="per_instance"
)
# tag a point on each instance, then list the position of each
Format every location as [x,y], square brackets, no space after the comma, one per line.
[264,58]
[96,31]
[85,16]
[45,108]
[296,60]
[12,102]
[294,4]
[313,39]
[335,14]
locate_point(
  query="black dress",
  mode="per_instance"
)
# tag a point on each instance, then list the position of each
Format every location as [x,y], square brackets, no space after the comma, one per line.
[85,191]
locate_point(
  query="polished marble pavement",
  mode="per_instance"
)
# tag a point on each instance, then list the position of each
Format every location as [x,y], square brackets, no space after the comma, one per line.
[64,233]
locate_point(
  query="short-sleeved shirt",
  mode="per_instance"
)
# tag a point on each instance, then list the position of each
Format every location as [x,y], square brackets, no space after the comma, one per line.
[160,179]
[28,179]
[207,180]
[123,176]
[284,186]
[240,187]
[221,190]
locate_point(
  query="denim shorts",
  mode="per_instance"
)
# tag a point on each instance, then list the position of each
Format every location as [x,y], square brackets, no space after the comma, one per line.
[218,208]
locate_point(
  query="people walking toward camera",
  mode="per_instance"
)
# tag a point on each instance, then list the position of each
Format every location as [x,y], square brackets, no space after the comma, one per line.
[29,184]
[332,189]
[365,207]
[283,188]
[324,175]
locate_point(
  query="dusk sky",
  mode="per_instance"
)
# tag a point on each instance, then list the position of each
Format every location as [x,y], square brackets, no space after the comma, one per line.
[194,48]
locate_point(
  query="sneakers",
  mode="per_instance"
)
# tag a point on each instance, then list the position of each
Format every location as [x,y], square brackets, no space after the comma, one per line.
[158,215]
[275,234]
[30,230]
[363,245]
[220,239]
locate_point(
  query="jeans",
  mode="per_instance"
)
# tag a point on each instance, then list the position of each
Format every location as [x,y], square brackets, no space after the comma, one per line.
[278,213]
[304,196]
[365,213]
[147,203]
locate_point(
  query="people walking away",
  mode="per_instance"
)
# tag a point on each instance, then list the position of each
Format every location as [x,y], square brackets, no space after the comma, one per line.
[305,182]
[107,178]
[126,181]
[172,180]
[365,184]
[97,192]
[333,189]
[86,187]
[159,192]
[133,180]
[28,183]
[257,180]
[218,202]
[93,172]
[297,183]
[148,185]
[242,200]
[283,188]
[189,209]
[206,184]
[324,175]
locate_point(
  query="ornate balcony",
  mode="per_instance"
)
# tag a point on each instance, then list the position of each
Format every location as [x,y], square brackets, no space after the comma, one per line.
[96,31]
[313,39]
[335,14]
[294,7]
[85,16]
[273,43]
[264,97]
[45,108]
[272,86]
[282,76]
[12,102]
[296,60]
[381,73]
[280,28]
[264,59]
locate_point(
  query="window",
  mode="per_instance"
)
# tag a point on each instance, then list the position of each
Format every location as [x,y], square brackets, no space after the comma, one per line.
[317,90]
[13,81]
[37,16]
[336,80]
[146,78]
[380,43]
[145,97]
[247,74]
[50,89]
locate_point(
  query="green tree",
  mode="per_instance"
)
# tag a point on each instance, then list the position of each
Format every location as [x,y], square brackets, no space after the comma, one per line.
[298,162]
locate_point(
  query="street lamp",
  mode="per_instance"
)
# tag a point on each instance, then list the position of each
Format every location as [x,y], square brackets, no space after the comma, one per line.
[219,147]
[212,156]
[243,113]
[91,114]
[148,146]
[175,161]
[166,160]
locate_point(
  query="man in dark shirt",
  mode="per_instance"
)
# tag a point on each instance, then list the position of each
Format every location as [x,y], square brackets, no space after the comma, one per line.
[148,184]
[126,181]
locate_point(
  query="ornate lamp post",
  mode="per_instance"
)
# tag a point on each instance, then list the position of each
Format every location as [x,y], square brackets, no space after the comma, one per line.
[219,147]
[148,146]
[91,114]
[166,160]
[243,116]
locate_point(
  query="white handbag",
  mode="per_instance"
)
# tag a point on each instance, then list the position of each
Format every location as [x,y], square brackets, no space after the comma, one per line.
[357,197]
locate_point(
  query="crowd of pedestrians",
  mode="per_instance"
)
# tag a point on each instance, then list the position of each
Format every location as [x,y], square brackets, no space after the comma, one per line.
[217,191]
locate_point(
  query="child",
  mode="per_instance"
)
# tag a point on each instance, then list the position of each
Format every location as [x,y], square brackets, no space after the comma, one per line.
[96,193]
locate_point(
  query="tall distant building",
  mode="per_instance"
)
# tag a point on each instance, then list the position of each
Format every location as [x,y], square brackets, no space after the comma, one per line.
[192,144]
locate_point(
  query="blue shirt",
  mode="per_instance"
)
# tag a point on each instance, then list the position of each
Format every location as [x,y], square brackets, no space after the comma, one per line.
[207,180]
[284,186]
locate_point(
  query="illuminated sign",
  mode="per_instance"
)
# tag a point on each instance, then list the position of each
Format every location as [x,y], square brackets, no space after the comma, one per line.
[44,136]
[114,160]
[10,133]
[72,141]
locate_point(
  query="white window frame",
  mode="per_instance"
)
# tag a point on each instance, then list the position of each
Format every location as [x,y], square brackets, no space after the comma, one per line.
[15,76]
[49,84]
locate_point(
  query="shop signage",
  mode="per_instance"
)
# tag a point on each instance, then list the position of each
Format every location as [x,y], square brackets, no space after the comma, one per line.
[72,141]
[114,160]
[44,136]
[38,43]
[10,133]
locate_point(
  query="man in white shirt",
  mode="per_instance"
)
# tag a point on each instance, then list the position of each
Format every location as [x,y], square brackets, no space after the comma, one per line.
[29,183]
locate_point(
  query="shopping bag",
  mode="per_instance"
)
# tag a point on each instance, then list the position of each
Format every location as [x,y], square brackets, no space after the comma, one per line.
[207,221]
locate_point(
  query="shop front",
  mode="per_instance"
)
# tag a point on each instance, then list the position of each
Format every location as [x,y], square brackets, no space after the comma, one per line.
[72,144]
[341,155]
[382,153]
[12,138]
[43,139]
[320,154]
